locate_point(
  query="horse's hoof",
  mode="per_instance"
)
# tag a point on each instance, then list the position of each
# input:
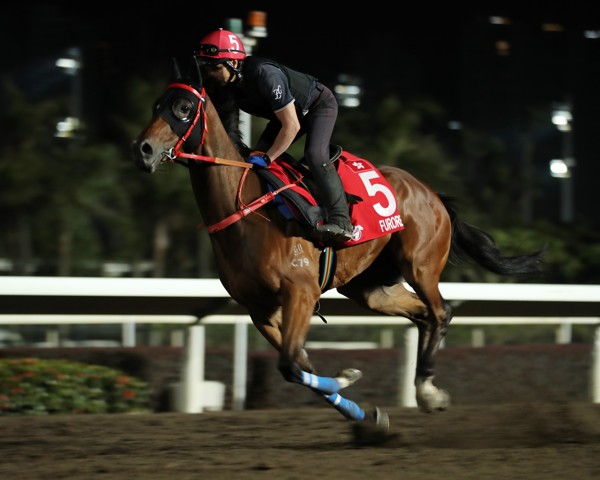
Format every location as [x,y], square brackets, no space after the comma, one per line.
[348,377]
[382,420]
[373,430]
[431,398]
[439,402]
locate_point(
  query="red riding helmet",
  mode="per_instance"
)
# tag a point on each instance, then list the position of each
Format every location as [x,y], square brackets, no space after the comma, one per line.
[221,45]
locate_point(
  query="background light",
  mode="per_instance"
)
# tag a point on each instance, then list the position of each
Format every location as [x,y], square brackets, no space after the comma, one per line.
[559,168]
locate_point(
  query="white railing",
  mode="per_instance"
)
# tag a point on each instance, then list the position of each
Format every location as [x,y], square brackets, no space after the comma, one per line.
[23,299]
[407,388]
[210,287]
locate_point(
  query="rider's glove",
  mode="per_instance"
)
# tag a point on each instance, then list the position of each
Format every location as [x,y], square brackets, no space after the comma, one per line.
[259,158]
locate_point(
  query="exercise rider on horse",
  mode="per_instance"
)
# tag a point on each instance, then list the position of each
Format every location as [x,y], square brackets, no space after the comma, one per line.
[295,104]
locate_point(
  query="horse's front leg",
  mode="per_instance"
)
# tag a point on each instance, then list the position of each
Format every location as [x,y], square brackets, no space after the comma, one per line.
[298,368]
[268,323]
[297,310]
[286,329]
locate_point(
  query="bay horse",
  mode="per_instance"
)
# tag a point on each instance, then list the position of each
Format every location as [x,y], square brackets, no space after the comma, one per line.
[256,249]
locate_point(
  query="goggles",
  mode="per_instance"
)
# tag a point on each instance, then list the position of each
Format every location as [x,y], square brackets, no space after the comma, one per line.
[212,50]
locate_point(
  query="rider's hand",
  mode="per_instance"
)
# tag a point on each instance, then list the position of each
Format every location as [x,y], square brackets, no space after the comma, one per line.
[259,158]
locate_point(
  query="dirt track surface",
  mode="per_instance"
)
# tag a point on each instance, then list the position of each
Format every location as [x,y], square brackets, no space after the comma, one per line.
[520,441]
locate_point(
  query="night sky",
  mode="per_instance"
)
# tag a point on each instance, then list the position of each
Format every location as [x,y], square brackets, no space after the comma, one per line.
[416,50]
[323,42]
[420,44]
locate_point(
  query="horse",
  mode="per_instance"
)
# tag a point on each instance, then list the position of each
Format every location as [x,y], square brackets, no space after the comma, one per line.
[270,265]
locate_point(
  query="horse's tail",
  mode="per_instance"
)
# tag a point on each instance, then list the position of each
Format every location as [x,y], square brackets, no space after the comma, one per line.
[471,242]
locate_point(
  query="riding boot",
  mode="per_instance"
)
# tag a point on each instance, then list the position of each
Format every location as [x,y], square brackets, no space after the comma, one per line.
[338,226]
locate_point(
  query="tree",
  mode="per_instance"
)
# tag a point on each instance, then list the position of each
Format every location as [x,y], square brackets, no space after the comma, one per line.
[27,153]
[173,241]
[402,134]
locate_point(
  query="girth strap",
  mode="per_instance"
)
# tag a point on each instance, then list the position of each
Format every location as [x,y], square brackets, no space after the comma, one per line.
[327,266]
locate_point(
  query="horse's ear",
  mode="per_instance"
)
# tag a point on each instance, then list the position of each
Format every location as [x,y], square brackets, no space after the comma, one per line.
[196,75]
[176,73]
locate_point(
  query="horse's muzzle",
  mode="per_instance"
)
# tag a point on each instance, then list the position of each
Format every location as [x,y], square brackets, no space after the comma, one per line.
[143,156]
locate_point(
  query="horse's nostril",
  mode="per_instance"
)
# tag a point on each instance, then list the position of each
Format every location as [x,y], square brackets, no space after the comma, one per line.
[146,148]
[141,148]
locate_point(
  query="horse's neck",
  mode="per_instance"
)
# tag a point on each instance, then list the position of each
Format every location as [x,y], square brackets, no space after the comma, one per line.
[216,186]
[217,142]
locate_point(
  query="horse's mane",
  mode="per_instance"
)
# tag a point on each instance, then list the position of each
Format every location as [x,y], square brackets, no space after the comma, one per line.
[229,113]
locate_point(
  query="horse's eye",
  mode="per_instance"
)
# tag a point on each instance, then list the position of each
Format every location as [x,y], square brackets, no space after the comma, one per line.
[182,109]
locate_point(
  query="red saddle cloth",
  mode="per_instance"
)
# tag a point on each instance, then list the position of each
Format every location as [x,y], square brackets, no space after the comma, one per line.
[376,212]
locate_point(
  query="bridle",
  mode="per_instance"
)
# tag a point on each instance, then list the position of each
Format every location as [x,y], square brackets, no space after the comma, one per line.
[191,137]
[194,133]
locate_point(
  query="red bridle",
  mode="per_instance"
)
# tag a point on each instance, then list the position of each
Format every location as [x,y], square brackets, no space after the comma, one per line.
[175,152]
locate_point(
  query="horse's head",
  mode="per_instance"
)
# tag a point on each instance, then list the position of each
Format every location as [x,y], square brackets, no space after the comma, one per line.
[178,122]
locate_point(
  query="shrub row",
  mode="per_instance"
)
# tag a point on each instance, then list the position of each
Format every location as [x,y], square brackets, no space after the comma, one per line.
[32,386]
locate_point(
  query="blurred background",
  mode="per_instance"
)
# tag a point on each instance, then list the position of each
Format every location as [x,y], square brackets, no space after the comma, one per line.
[496,105]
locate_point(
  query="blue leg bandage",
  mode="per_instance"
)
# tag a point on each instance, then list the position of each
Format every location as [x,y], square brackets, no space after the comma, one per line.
[325,385]
[328,387]
[347,408]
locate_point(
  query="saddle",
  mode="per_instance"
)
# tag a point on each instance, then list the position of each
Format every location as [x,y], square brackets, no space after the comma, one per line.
[371,200]
[299,203]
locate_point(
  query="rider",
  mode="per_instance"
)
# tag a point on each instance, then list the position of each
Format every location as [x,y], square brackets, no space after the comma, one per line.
[295,104]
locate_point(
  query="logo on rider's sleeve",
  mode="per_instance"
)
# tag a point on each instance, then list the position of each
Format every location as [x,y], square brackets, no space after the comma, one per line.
[278,92]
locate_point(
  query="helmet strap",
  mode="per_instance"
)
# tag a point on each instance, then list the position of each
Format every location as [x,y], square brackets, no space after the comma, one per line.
[237,72]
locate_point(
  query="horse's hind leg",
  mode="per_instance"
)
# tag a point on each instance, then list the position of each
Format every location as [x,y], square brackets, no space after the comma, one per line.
[425,256]
[432,329]
[426,309]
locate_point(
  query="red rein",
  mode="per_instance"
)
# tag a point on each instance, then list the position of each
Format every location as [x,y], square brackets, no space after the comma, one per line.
[244,210]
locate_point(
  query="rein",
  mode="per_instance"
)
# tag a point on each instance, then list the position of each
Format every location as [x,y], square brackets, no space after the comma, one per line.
[246,210]
[175,153]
